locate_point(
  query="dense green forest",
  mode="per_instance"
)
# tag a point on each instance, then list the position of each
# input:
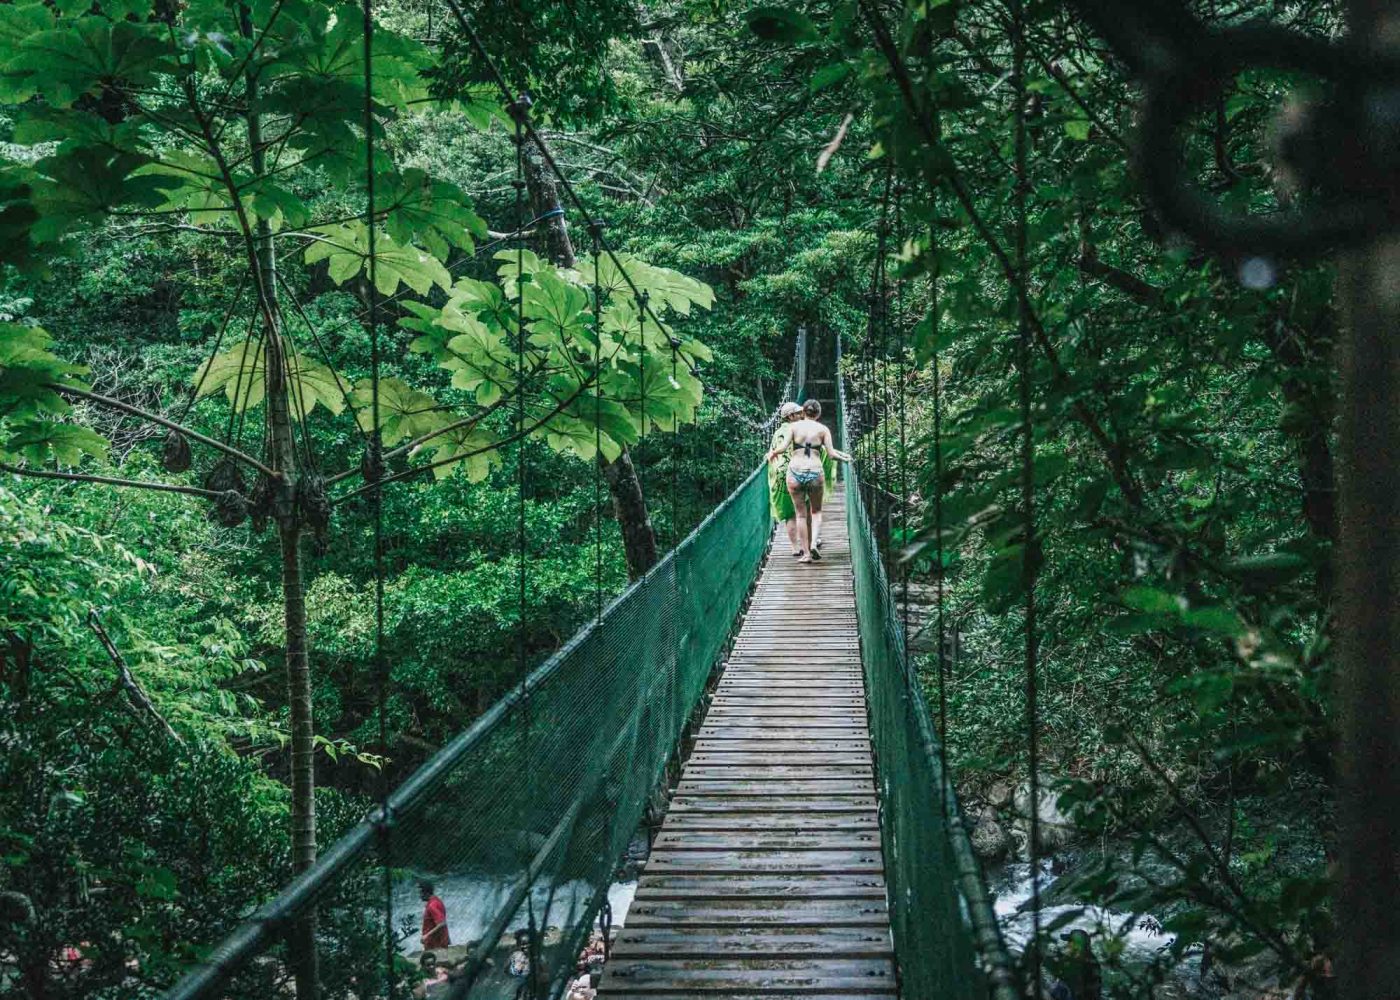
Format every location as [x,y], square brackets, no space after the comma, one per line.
[183,191]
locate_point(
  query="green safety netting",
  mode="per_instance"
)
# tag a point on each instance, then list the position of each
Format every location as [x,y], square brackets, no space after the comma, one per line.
[945,932]
[523,818]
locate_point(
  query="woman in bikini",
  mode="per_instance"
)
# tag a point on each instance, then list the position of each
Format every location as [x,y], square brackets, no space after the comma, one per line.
[809,442]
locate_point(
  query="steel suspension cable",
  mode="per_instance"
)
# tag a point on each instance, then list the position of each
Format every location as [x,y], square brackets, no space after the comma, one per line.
[374,467]
[902,379]
[1030,543]
[594,232]
[518,110]
[938,554]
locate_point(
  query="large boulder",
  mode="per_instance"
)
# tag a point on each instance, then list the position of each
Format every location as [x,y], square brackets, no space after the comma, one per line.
[1056,830]
[1000,794]
[990,840]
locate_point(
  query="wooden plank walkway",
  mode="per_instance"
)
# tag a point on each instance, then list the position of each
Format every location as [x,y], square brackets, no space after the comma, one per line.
[766,879]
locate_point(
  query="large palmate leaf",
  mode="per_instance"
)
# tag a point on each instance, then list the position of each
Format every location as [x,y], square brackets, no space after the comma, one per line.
[664,288]
[667,394]
[240,373]
[405,413]
[330,51]
[434,214]
[191,182]
[78,56]
[83,185]
[28,373]
[557,313]
[37,440]
[345,248]
[470,448]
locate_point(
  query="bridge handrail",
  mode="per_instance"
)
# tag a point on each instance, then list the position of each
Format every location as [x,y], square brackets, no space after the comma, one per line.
[947,939]
[646,661]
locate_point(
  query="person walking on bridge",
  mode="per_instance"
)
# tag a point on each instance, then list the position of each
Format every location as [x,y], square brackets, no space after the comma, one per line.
[778,500]
[809,443]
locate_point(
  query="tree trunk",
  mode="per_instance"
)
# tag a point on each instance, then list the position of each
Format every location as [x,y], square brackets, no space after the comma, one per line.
[554,243]
[302,936]
[1368,593]
[282,458]
[630,507]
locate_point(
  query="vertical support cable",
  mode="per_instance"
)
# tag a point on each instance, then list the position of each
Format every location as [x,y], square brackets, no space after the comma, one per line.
[902,379]
[934,321]
[375,467]
[675,450]
[1030,543]
[886,408]
[595,232]
[518,111]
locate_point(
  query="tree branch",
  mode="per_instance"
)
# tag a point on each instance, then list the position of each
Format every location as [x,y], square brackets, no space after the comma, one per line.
[78,477]
[140,701]
[136,411]
[1129,284]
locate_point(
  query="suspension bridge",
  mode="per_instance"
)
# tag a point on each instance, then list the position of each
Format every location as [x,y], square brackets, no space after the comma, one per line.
[811,845]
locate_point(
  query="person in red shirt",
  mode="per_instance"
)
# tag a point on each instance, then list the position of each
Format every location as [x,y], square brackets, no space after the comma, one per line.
[434,919]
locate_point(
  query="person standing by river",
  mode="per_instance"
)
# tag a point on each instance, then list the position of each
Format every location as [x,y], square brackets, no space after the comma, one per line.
[434,919]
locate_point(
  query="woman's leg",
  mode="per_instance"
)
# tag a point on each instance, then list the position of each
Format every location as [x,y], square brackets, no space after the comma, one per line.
[814,497]
[799,503]
[791,525]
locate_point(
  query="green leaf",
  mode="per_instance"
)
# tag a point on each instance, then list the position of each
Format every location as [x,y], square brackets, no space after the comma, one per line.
[1153,601]
[404,412]
[435,214]
[1078,128]
[345,248]
[240,372]
[36,440]
[829,75]
[782,24]
[28,371]
[79,55]
[1267,570]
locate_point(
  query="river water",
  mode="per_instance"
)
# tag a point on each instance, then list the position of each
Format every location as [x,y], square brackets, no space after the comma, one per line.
[1144,943]
[473,901]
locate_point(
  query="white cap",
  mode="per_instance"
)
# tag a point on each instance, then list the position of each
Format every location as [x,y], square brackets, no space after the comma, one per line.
[788,409]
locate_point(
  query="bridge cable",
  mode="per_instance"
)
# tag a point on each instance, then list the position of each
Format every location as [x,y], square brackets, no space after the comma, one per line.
[902,378]
[882,370]
[374,466]
[938,554]
[1029,558]
[595,232]
[518,110]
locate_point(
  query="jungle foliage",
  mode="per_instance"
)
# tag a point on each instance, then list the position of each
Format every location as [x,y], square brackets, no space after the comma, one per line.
[183,212]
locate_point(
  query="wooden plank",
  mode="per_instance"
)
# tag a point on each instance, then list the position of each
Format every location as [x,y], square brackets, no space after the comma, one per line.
[689,977]
[723,822]
[862,773]
[782,912]
[784,745]
[755,942]
[774,803]
[751,888]
[815,758]
[839,786]
[683,839]
[765,861]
